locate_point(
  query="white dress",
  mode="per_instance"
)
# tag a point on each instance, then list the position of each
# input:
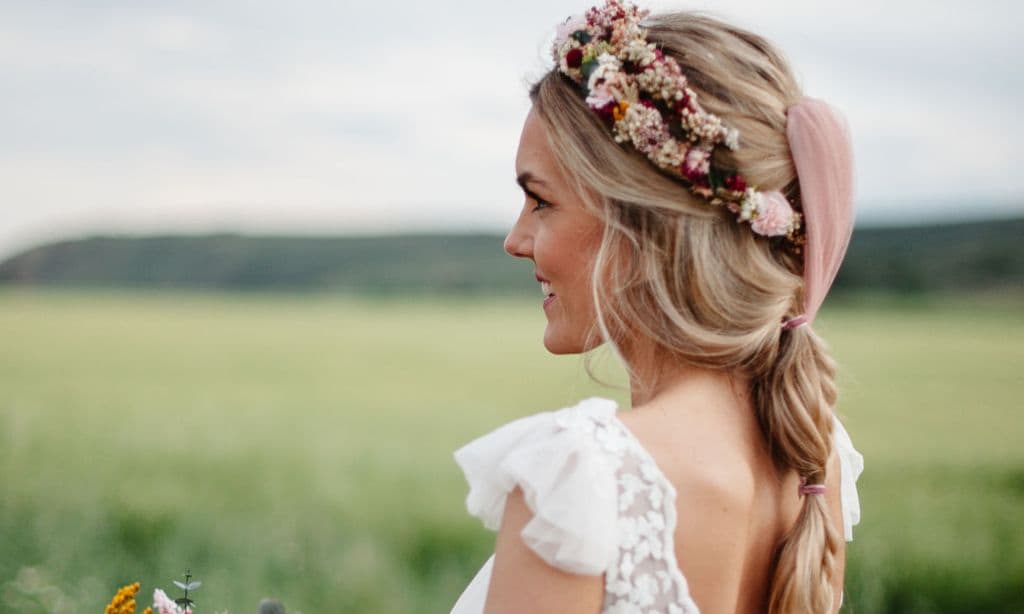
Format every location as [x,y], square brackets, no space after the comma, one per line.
[600,504]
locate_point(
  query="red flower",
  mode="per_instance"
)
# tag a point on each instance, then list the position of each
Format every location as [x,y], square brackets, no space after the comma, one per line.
[694,175]
[574,58]
[684,103]
[607,110]
[736,183]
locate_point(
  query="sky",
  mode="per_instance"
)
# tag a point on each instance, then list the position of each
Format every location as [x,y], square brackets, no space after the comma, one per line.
[335,117]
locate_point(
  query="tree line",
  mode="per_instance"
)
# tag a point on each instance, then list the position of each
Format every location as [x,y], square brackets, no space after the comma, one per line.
[962,257]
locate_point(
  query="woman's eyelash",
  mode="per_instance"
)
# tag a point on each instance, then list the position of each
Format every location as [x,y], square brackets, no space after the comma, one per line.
[540,202]
[531,195]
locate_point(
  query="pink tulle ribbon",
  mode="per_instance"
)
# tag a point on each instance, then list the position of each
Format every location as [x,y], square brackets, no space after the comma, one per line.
[819,140]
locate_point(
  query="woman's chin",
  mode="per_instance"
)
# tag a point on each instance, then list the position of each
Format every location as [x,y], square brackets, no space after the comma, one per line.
[559,344]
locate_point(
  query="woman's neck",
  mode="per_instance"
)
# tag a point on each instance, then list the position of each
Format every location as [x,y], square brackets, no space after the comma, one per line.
[713,400]
[656,377]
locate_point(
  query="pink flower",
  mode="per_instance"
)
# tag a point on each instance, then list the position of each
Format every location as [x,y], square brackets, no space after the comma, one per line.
[162,604]
[698,162]
[567,28]
[774,215]
[600,96]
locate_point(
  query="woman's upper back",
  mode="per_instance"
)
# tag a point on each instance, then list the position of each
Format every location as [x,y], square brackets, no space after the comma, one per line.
[736,505]
[603,504]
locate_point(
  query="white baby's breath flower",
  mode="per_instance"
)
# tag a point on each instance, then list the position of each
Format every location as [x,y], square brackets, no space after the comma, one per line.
[748,206]
[607,65]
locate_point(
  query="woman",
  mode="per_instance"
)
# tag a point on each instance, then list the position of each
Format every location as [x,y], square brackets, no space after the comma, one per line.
[685,204]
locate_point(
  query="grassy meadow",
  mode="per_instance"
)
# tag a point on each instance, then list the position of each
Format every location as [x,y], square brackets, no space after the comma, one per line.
[301,446]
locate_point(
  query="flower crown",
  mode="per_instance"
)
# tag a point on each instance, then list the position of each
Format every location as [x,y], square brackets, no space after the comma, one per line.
[644,96]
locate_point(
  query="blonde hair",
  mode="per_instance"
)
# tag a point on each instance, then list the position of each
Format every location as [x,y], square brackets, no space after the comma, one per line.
[702,289]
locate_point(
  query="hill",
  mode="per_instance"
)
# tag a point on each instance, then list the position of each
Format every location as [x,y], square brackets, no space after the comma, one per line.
[963,257]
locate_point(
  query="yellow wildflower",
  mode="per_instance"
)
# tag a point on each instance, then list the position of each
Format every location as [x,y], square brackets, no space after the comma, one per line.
[124,601]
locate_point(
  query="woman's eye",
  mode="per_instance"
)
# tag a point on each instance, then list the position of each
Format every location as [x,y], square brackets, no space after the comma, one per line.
[540,204]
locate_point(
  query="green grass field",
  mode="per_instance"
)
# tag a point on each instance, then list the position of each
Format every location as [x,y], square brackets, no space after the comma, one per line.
[300,447]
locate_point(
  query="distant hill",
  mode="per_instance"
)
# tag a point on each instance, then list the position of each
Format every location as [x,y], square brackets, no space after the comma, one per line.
[952,257]
[385,264]
[967,257]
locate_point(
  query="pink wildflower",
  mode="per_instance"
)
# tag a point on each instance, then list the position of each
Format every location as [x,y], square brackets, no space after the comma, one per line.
[162,604]
[774,215]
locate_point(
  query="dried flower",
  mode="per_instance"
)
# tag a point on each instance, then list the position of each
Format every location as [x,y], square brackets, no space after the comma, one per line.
[642,92]
[574,58]
[566,29]
[774,216]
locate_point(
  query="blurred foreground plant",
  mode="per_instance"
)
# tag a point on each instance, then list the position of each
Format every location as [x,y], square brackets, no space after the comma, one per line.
[124,601]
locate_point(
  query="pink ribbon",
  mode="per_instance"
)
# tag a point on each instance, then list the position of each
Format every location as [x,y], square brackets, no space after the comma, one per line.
[819,140]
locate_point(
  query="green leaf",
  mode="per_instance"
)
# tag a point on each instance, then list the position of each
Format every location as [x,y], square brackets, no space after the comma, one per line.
[587,68]
[716,179]
[582,36]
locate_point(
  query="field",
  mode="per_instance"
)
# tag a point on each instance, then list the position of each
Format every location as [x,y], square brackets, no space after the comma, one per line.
[300,446]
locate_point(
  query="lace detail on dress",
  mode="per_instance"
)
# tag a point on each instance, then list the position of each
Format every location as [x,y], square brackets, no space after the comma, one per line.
[644,578]
[601,504]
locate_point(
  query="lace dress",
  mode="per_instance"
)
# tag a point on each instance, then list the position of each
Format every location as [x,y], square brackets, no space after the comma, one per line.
[600,504]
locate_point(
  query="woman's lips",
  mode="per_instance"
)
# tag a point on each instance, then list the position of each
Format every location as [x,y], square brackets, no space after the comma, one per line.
[545,288]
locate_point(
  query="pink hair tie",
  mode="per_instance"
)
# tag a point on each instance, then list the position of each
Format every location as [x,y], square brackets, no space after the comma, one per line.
[811,489]
[796,322]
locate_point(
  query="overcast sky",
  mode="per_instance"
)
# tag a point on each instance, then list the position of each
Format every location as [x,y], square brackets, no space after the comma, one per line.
[338,117]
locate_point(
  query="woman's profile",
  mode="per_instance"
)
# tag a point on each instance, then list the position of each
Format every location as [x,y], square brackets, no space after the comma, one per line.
[686,205]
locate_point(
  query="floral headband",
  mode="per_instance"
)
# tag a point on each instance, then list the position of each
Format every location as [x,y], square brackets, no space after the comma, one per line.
[644,96]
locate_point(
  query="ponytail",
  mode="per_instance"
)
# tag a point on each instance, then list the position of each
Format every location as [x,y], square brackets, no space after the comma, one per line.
[794,401]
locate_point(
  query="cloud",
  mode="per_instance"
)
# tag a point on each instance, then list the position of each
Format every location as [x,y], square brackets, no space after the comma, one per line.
[389,115]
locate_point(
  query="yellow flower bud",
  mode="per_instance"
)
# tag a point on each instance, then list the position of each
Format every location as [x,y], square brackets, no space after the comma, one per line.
[620,110]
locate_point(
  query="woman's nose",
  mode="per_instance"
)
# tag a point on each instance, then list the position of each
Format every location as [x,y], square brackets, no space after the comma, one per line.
[517,243]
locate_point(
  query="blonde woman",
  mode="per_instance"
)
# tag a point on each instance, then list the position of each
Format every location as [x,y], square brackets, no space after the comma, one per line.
[688,206]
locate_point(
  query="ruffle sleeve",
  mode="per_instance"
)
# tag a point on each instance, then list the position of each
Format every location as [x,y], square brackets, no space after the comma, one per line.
[568,482]
[851,465]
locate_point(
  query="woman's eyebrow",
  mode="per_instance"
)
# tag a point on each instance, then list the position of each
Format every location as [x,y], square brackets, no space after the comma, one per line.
[523,179]
[528,177]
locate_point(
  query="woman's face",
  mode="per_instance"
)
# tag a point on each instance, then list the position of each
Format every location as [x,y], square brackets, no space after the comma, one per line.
[561,238]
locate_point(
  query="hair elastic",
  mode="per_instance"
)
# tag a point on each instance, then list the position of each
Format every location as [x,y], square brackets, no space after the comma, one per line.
[796,322]
[811,489]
